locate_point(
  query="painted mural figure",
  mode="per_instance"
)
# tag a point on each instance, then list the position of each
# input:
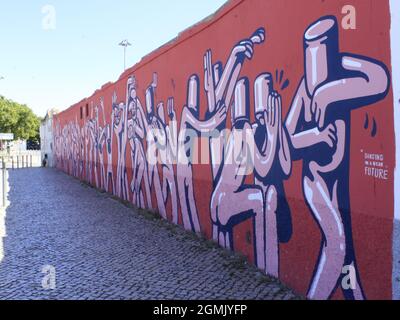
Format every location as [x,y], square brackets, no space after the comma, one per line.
[108,136]
[86,137]
[190,127]
[73,148]
[136,135]
[77,147]
[68,148]
[101,133]
[272,141]
[168,154]
[89,138]
[334,83]
[94,135]
[82,152]
[274,147]
[120,130]
[234,201]
[219,84]
[155,136]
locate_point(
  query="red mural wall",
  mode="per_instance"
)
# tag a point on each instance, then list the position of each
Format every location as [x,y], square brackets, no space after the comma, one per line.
[307,100]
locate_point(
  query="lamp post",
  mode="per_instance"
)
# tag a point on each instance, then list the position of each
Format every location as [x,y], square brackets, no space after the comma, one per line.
[125,44]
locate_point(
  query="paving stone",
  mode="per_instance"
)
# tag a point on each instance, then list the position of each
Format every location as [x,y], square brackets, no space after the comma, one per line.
[101,249]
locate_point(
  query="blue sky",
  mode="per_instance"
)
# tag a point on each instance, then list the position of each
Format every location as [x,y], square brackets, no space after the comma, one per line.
[45,67]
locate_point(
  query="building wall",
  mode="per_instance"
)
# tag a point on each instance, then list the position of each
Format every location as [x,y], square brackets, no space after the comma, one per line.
[280,117]
[395,46]
[47,140]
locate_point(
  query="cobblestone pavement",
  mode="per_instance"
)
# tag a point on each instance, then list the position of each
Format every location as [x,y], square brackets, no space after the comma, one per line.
[102,249]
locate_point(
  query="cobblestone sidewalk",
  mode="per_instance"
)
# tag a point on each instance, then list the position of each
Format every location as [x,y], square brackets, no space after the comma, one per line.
[101,249]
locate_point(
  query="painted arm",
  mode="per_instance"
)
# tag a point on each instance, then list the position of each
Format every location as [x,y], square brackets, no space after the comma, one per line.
[204,126]
[284,151]
[103,112]
[307,138]
[159,134]
[374,81]
[138,129]
[132,144]
[102,137]
[142,117]
[110,132]
[172,129]
[125,123]
[91,130]
[264,161]
[209,81]
[231,73]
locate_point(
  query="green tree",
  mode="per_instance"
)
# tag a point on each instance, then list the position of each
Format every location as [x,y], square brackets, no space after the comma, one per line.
[18,119]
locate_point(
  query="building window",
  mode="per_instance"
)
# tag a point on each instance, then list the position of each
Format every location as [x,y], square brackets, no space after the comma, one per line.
[87,110]
[81,113]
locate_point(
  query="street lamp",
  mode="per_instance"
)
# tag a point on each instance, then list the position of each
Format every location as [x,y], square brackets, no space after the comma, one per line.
[125,44]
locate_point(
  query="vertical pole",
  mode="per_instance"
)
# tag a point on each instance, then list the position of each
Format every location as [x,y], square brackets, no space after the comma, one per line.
[1,188]
[4,178]
[12,162]
[31,161]
[124,58]
[23,161]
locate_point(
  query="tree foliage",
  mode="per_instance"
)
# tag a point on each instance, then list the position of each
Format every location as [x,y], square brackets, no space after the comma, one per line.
[18,119]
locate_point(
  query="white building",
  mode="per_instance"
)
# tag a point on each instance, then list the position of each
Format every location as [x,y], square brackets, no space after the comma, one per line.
[46,137]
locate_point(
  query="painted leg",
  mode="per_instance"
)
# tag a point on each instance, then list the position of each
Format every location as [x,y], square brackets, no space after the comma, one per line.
[126,186]
[214,213]
[183,201]
[193,208]
[333,249]
[96,178]
[271,233]
[165,185]
[146,176]
[102,178]
[158,191]
[174,198]
[228,244]
[141,204]
[236,203]
[221,238]
[215,232]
